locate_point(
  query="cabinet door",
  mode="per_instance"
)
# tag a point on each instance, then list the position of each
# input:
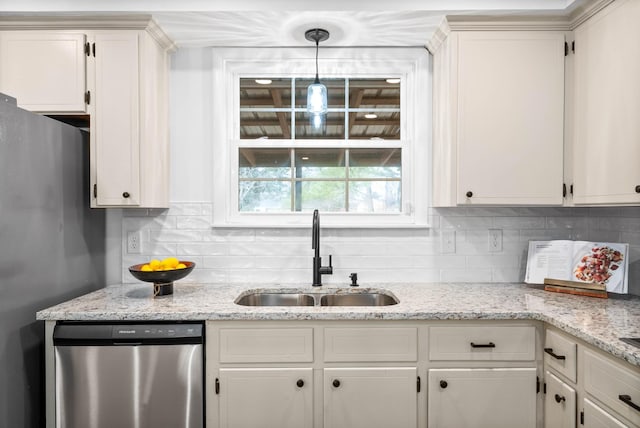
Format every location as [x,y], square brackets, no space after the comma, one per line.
[370,397]
[559,403]
[607,132]
[595,417]
[482,398]
[44,71]
[269,398]
[510,119]
[116,132]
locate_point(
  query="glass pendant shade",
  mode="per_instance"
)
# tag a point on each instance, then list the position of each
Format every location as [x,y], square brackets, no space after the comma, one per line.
[317,98]
[317,121]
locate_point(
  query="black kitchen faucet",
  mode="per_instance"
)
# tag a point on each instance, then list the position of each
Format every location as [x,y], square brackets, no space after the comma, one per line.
[318,269]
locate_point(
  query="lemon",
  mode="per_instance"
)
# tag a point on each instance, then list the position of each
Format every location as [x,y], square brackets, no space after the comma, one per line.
[146,268]
[181,266]
[154,264]
[170,262]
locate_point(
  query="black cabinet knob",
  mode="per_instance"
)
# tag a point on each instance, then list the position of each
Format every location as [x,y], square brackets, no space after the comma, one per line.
[559,398]
[469,194]
[126,195]
[443,384]
[336,383]
[300,383]
[637,189]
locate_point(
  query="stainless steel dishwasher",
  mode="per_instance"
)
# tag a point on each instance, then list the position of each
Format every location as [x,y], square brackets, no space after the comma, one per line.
[129,375]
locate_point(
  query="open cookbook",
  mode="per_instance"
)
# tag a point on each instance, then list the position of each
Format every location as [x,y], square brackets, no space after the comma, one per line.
[579,262]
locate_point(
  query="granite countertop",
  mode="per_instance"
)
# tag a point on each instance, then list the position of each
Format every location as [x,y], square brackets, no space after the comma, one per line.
[599,322]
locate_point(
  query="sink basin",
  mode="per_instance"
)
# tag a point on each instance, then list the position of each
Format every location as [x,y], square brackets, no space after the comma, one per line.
[276,299]
[358,299]
[342,297]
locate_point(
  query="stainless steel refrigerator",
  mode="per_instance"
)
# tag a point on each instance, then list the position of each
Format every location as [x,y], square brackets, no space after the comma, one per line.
[52,247]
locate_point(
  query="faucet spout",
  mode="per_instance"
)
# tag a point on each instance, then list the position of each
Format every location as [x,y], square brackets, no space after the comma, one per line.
[315,233]
[318,269]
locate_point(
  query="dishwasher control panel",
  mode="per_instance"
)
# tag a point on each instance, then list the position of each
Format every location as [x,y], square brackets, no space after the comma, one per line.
[155,331]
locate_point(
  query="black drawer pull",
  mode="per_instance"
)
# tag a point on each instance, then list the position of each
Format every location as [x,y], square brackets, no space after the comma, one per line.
[300,383]
[469,194]
[443,384]
[559,398]
[557,357]
[483,345]
[336,383]
[626,399]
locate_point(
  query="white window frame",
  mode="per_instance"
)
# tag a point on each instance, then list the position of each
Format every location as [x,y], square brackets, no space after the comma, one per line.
[412,65]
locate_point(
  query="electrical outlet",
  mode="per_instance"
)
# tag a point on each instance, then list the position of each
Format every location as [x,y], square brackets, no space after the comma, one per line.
[495,240]
[448,243]
[134,242]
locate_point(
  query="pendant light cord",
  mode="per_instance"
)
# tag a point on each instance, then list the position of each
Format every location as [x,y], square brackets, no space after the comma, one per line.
[317,43]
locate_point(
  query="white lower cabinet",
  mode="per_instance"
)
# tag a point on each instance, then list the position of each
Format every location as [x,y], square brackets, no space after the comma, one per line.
[370,397]
[613,384]
[372,374]
[596,417]
[482,398]
[267,398]
[559,403]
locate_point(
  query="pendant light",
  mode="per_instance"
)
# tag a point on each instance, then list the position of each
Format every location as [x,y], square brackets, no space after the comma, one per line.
[316,92]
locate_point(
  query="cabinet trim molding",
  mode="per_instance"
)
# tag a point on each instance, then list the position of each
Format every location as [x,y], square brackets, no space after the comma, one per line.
[91,22]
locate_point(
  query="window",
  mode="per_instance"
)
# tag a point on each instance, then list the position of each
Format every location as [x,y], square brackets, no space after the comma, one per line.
[364,164]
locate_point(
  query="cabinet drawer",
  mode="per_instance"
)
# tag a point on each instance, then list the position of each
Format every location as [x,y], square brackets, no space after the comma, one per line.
[612,384]
[487,343]
[560,354]
[371,344]
[266,345]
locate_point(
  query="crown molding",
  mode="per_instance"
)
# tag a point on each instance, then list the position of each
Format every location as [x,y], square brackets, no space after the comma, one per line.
[584,13]
[439,36]
[88,22]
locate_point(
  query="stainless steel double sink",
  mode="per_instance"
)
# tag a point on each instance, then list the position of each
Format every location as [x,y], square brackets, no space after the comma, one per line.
[331,297]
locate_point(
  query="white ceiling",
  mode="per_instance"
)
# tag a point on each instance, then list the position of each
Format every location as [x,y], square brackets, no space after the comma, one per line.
[283,22]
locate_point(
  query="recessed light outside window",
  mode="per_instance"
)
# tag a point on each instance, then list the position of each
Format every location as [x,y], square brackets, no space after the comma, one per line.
[393,81]
[371,116]
[305,158]
[263,81]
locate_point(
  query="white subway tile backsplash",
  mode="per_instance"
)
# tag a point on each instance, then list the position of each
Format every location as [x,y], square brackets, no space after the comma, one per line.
[377,255]
[193,222]
[465,275]
[492,261]
[466,223]
[186,209]
[518,222]
[202,249]
[566,222]
[508,275]
[229,235]
[175,235]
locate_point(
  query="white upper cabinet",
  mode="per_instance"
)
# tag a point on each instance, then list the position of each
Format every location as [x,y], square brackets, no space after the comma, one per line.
[606,146]
[129,138]
[44,70]
[114,72]
[116,143]
[498,117]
